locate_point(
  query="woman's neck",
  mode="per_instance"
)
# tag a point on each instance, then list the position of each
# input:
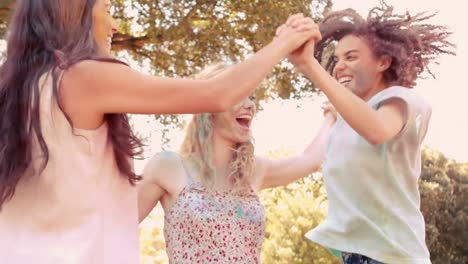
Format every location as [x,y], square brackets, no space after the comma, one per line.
[222,155]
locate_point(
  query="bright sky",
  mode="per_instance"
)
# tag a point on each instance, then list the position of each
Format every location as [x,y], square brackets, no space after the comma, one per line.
[447,94]
[283,125]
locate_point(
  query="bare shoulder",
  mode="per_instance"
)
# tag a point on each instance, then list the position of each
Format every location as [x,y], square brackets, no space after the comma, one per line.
[92,71]
[79,93]
[164,169]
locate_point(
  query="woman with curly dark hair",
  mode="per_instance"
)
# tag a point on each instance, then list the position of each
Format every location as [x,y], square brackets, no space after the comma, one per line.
[373,158]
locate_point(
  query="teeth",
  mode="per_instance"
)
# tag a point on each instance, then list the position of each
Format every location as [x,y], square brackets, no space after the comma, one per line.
[344,79]
[245,117]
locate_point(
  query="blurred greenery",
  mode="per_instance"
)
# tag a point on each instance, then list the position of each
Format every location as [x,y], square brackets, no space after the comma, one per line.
[178,38]
[444,204]
[293,210]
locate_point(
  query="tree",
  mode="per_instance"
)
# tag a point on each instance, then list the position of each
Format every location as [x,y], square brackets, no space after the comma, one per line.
[444,196]
[152,245]
[292,211]
[5,10]
[178,38]
[295,209]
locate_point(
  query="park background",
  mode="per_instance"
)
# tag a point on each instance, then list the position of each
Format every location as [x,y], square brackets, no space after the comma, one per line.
[178,38]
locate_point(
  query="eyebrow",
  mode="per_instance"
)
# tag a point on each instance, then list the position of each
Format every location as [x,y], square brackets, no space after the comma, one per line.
[347,53]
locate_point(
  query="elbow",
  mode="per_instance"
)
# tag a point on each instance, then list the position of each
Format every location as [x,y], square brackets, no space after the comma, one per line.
[376,139]
[316,167]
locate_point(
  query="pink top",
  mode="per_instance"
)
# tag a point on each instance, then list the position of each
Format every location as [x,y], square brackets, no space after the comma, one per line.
[79,209]
[206,226]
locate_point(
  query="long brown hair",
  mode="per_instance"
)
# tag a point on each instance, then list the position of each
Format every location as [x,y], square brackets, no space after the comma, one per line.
[47,36]
[407,39]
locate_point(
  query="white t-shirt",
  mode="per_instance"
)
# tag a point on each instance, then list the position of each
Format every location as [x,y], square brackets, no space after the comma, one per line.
[374,200]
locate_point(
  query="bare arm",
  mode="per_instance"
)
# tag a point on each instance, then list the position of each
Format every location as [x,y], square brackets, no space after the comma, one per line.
[159,177]
[376,126]
[113,88]
[149,195]
[284,171]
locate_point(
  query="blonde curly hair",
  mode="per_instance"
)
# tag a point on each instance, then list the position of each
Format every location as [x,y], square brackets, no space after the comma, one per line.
[197,146]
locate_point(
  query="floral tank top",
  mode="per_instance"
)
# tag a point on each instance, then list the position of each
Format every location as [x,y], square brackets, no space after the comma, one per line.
[206,226]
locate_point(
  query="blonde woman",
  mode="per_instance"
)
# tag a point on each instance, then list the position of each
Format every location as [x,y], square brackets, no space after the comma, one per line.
[209,190]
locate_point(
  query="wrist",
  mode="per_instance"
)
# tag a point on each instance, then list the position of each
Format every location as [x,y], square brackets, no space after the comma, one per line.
[280,46]
[330,120]
[311,66]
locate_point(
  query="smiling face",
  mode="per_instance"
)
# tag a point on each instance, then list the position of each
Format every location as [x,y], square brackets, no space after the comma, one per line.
[103,25]
[234,124]
[356,66]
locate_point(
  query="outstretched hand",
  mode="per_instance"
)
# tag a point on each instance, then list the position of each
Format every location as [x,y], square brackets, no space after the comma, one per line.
[298,31]
[305,52]
[329,110]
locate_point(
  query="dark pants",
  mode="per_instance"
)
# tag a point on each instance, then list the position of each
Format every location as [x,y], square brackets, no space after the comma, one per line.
[351,258]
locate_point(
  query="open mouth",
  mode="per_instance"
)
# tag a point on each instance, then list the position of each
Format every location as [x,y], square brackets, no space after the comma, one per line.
[345,80]
[244,121]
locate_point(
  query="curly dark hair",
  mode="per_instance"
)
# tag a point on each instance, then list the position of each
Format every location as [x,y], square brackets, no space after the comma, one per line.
[411,44]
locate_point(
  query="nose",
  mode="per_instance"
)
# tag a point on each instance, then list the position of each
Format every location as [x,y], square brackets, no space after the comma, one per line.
[249,104]
[114,26]
[339,67]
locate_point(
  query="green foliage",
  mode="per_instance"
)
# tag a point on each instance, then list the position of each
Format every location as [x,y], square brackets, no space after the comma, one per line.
[152,245]
[444,196]
[292,211]
[5,10]
[178,38]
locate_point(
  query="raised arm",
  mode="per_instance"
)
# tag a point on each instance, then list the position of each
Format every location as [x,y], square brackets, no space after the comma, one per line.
[273,173]
[376,126]
[161,176]
[102,87]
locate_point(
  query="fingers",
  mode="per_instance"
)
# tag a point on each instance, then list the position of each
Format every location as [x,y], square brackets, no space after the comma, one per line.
[303,24]
[305,27]
[326,105]
[311,30]
[280,29]
[310,37]
[293,18]
[299,30]
[328,109]
[302,21]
